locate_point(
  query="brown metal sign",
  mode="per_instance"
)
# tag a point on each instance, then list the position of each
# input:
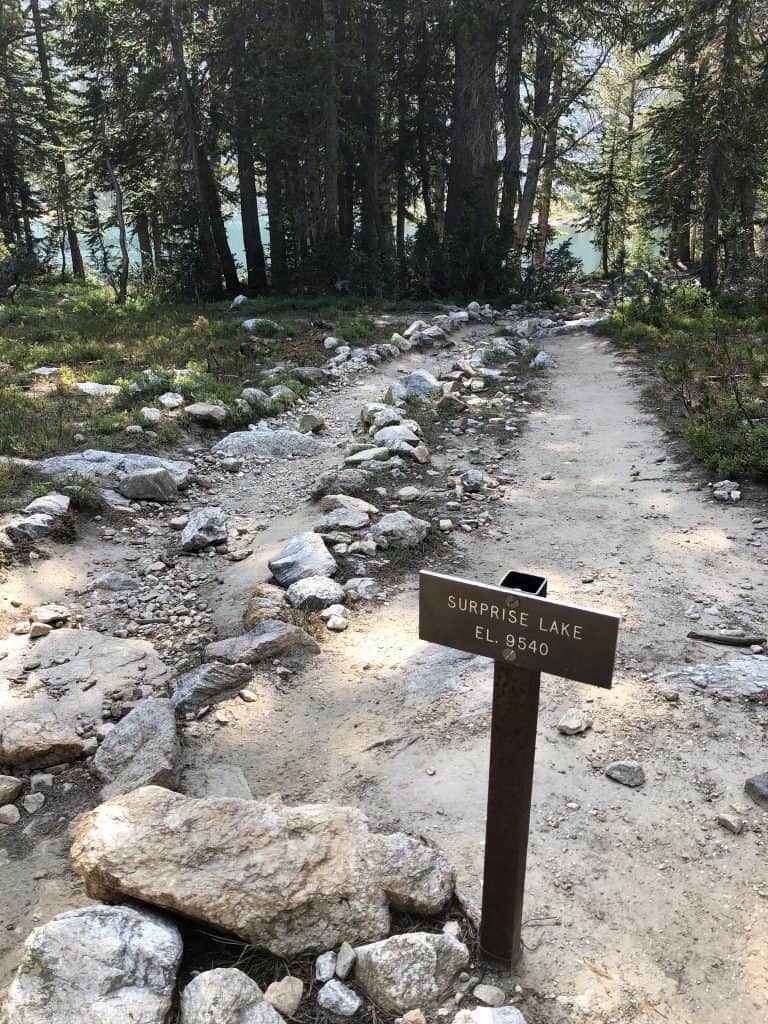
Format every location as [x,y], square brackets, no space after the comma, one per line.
[517,628]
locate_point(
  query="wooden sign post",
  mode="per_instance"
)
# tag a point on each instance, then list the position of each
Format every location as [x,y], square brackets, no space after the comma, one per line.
[525,634]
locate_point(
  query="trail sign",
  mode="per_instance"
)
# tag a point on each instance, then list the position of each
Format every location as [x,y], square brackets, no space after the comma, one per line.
[525,634]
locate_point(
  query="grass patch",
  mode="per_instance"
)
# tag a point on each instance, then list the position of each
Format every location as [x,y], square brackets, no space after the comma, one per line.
[711,363]
[149,346]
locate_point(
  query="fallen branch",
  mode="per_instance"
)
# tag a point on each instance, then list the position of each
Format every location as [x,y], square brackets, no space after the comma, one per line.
[726,639]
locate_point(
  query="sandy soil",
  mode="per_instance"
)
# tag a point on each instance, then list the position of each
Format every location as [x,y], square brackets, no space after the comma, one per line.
[639,905]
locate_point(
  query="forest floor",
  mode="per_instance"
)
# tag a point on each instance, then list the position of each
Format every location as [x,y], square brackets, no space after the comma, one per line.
[639,905]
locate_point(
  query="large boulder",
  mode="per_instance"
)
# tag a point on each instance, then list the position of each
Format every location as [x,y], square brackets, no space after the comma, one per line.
[153,484]
[416,877]
[108,468]
[225,995]
[410,971]
[268,639]
[399,530]
[304,555]
[208,684]
[141,750]
[207,413]
[265,443]
[100,964]
[38,742]
[290,879]
[49,504]
[31,528]
[206,526]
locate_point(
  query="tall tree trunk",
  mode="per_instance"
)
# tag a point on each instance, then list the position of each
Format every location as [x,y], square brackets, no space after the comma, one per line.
[376,216]
[255,262]
[548,169]
[141,227]
[157,240]
[121,278]
[402,138]
[470,216]
[62,181]
[213,234]
[718,158]
[330,225]
[276,212]
[541,105]
[513,123]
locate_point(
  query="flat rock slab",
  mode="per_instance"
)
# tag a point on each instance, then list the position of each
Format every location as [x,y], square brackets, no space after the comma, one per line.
[740,676]
[225,995]
[100,964]
[108,468]
[490,1015]
[290,879]
[268,639]
[304,555]
[141,750]
[76,667]
[208,684]
[269,444]
[410,971]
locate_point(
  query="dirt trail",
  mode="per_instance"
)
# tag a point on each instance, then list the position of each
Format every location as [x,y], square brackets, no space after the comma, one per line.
[639,905]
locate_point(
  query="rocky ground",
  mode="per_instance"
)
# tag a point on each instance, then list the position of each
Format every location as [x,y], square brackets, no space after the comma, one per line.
[252,630]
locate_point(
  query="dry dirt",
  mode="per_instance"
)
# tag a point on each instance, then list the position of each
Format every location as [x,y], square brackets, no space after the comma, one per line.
[639,905]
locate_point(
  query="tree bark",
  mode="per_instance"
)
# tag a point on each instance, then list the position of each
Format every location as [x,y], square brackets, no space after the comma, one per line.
[255,262]
[541,106]
[121,278]
[548,169]
[717,161]
[470,216]
[330,226]
[141,227]
[276,212]
[62,181]
[513,123]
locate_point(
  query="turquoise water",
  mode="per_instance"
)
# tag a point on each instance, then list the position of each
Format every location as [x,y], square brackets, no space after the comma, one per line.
[581,242]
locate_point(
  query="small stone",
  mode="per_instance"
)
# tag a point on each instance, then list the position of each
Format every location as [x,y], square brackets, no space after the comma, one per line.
[10,787]
[414,1017]
[206,526]
[231,465]
[337,998]
[362,588]
[33,802]
[248,696]
[40,781]
[628,773]
[151,417]
[408,493]
[345,961]
[491,995]
[473,481]
[285,995]
[445,525]
[171,400]
[9,814]
[314,593]
[756,788]
[38,629]
[337,624]
[51,504]
[490,1015]
[311,423]
[573,722]
[730,822]
[325,966]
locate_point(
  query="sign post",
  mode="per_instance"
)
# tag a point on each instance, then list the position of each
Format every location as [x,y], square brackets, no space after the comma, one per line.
[524,633]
